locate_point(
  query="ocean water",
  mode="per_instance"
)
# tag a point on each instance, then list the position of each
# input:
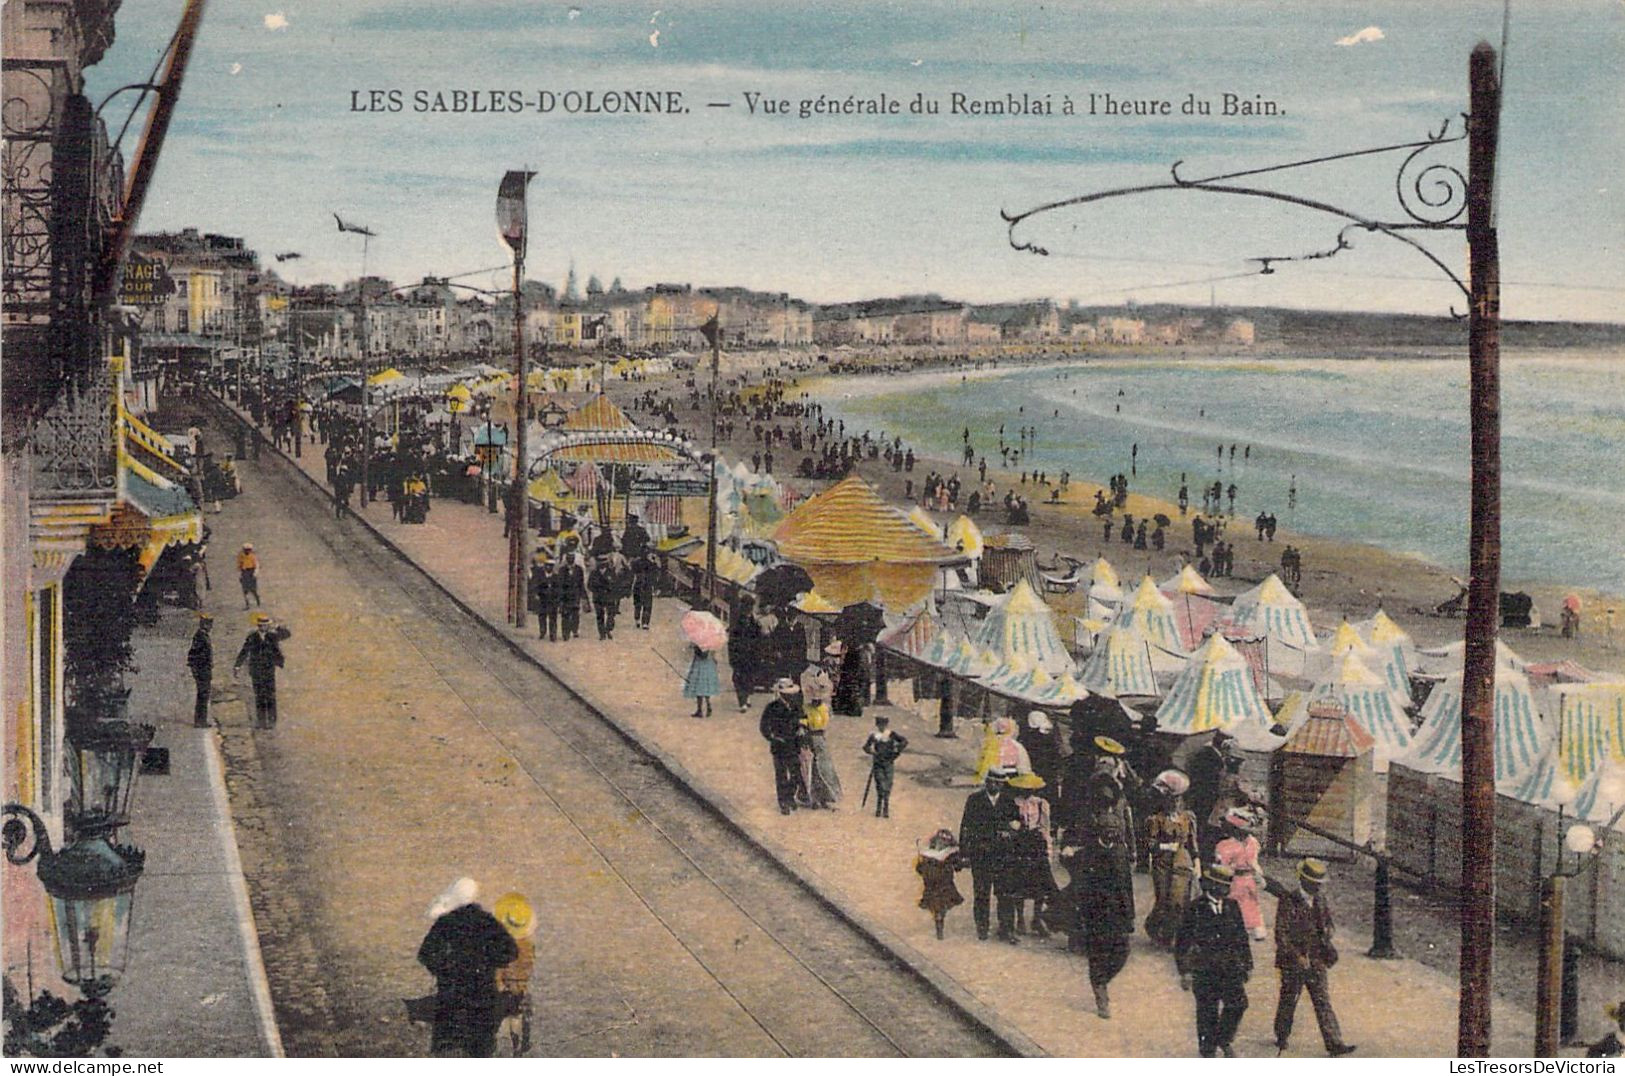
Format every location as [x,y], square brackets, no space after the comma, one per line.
[1378,449]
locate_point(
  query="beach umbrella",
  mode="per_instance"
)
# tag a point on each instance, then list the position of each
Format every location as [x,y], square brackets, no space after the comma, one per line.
[703,630]
[1161,520]
[782,584]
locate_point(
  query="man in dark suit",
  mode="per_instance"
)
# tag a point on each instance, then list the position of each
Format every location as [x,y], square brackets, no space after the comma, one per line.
[572,587]
[1207,772]
[985,834]
[1304,953]
[781,724]
[1214,958]
[200,659]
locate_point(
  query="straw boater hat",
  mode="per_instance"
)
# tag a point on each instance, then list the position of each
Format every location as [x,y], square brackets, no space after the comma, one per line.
[1218,872]
[515,914]
[1108,746]
[1312,871]
[205,618]
[1026,781]
[836,649]
[257,617]
[1000,773]
[786,686]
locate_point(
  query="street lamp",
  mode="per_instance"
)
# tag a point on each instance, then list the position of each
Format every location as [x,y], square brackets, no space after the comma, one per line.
[103,761]
[1581,841]
[91,886]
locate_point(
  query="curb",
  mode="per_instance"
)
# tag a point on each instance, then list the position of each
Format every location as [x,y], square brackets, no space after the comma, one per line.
[904,955]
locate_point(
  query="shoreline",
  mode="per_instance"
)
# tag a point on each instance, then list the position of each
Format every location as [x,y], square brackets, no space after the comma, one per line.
[1341,577]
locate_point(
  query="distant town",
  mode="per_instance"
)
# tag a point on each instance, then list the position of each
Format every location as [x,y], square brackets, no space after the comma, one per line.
[207,292]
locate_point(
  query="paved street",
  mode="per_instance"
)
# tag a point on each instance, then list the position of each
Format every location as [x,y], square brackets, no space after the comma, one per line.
[413,749]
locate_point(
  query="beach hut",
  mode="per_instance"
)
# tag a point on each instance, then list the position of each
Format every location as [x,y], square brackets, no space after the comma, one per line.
[1121,665]
[1325,774]
[1364,695]
[1215,691]
[1270,612]
[1021,624]
[1521,738]
[1007,558]
[1150,612]
[858,548]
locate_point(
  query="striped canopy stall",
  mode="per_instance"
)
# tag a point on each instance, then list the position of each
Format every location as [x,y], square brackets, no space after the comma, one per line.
[1270,610]
[1151,614]
[1521,737]
[1020,624]
[912,638]
[1121,664]
[598,413]
[1367,699]
[1215,691]
[585,481]
[1590,727]
[858,548]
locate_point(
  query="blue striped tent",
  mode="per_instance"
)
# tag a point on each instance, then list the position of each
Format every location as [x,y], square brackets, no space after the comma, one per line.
[1446,660]
[1603,794]
[1151,614]
[1521,737]
[1590,727]
[1215,691]
[1392,640]
[1021,625]
[1386,663]
[1121,664]
[1270,611]
[1545,785]
[1367,699]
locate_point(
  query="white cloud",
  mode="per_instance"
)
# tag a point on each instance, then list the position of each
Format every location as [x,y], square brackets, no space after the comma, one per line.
[276,21]
[1370,33]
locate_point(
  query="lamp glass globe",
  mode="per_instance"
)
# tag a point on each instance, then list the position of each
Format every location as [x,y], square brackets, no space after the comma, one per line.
[1580,840]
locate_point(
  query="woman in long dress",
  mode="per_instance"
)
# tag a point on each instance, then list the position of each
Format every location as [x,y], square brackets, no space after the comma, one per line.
[817,765]
[701,683]
[1171,833]
[1238,850]
[1030,875]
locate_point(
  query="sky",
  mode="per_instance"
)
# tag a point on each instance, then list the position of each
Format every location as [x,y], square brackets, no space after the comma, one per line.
[266,144]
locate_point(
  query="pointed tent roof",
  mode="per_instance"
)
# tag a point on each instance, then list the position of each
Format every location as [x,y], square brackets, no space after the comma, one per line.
[547,486]
[1102,574]
[1151,613]
[965,536]
[1187,581]
[941,649]
[1121,664]
[922,519]
[1021,624]
[1364,695]
[1215,691]
[1382,631]
[598,413]
[1521,738]
[1064,691]
[1270,610]
[850,523]
[1447,660]
[1386,661]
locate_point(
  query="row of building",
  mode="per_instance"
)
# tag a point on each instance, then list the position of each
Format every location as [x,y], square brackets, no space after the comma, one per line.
[214,294]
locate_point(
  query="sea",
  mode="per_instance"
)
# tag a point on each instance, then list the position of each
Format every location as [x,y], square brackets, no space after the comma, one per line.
[1368,450]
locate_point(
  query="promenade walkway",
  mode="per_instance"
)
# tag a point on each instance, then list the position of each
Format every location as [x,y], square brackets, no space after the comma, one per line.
[1389,1008]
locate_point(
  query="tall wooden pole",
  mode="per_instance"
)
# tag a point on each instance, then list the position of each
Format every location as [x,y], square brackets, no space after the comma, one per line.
[518,501]
[711,506]
[1484,562]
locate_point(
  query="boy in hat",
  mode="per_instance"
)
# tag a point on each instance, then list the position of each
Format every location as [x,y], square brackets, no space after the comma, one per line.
[883,746]
[517,917]
[1304,954]
[1214,961]
[248,573]
[200,660]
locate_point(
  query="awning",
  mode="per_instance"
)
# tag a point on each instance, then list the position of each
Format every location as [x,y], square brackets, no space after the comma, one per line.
[150,515]
[618,452]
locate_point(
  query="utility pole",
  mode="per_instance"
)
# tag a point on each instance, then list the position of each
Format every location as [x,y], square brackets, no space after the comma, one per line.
[1484,560]
[518,498]
[713,334]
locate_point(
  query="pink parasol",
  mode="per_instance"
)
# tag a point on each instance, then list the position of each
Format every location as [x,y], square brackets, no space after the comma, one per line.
[703,630]
[1572,603]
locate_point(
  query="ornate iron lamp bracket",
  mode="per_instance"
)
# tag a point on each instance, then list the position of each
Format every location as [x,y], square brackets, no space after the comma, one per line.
[22,824]
[1432,196]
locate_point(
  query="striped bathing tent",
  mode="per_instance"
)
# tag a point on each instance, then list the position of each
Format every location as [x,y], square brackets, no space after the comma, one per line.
[913,637]
[1590,727]
[1021,625]
[1385,636]
[1386,663]
[965,536]
[1367,699]
[1602,796]
[1193,604]
[1105,591]
[1151,614]
[1186,581]
[1270,611]
[1545,785]
[1216,691]
[1521,737]
[1447,660]
[1121,664]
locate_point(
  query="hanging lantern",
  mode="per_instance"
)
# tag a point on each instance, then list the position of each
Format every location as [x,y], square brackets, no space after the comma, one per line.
[91,887]
[103,760]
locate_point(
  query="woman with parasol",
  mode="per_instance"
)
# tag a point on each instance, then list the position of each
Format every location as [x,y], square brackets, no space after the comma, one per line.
[705,635]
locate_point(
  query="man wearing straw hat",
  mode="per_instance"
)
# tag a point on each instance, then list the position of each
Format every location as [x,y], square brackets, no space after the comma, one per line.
[1304,953]
[781,727]
[1214,959]
[986,835]
[262,650]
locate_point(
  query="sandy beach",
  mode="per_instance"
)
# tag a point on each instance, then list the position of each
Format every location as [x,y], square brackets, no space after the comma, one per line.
[1340,578]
